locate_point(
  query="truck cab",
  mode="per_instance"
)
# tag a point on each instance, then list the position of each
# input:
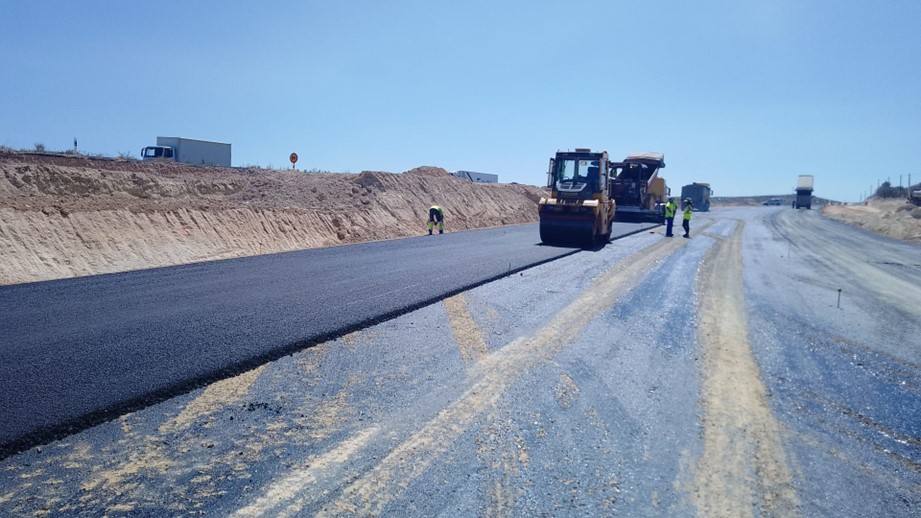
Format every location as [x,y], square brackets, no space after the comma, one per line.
[699,193]
[804,186]
[158,153]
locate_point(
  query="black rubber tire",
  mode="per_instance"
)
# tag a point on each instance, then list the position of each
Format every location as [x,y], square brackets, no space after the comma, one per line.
[554,235]
[551,234]
[547,235]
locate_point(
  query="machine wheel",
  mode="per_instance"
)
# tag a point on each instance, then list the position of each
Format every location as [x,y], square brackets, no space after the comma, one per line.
[547,234]
[555,234]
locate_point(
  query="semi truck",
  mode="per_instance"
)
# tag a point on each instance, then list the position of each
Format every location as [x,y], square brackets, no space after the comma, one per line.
[638,190]
[804,186]
[699,194]
[188,151]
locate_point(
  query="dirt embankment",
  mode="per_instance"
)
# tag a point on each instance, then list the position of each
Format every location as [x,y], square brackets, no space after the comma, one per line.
[894,218]
[63,216]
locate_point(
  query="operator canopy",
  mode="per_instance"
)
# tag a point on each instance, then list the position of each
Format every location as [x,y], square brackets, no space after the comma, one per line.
[651,158]
[576,174]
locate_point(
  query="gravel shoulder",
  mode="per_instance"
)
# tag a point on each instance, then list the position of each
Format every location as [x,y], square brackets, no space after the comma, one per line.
[845,382]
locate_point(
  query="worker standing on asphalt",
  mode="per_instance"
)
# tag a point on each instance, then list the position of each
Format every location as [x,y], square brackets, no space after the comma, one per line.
[687,218]
[436,215]
[670,209]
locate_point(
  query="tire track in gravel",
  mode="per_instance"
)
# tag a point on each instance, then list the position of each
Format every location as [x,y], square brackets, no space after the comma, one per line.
[467,334]
[370,494]
[743,470]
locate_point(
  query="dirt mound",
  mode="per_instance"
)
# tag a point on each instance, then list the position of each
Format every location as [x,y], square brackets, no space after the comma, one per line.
[68,216]
[894,218]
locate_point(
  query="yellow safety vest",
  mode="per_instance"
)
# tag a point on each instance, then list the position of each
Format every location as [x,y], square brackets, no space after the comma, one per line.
[670,210]
[687,214]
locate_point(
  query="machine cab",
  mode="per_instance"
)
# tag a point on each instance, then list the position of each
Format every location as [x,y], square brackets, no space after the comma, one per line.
[632,177]
[579,174]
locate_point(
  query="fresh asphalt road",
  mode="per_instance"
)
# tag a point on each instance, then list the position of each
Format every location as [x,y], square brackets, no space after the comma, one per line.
[79,350]
[655,377]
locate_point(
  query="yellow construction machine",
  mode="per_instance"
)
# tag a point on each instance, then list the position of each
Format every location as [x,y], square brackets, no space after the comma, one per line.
[637,188]
[579,210]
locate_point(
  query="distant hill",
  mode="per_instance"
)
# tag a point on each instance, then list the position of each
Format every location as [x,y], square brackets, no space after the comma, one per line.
[727,201]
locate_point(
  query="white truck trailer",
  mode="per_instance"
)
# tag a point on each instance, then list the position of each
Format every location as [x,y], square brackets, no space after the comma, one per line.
[804,186]
[188,151]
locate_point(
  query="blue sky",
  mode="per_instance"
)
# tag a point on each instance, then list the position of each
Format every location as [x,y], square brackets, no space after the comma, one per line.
[745,95]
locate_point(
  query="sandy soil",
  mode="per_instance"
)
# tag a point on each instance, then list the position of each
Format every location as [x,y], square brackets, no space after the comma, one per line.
[894,218]
[71,216]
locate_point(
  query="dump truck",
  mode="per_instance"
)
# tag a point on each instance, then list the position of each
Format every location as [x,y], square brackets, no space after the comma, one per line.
[188,151]
[804,185]
[699,194]
[637,189]
[578,210]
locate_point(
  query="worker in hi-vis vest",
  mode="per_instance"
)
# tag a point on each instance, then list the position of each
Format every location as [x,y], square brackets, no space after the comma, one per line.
[436,215]
[687,218]
[670,209]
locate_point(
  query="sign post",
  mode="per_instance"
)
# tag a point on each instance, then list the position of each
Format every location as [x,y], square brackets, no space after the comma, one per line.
[293,159]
